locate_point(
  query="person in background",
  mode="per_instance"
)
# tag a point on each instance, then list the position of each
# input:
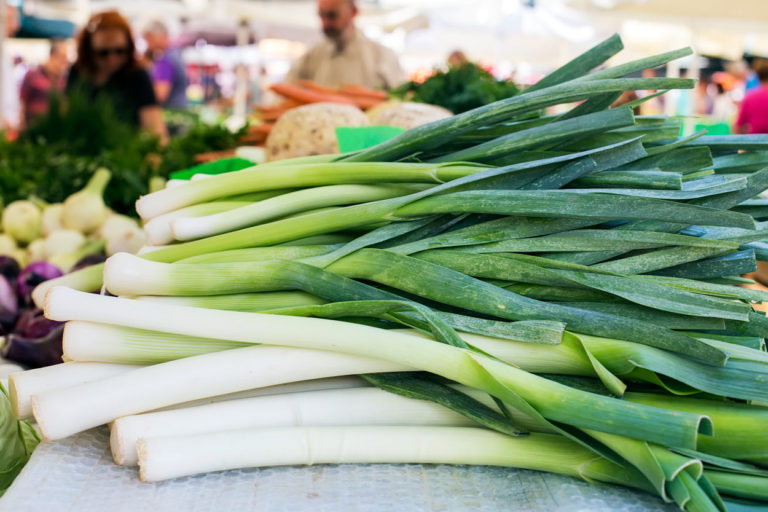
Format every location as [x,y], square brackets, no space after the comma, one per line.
[653,106]
[346,56]
[10,99]
[168,74]
[107,65]
[723,107]
[753,115]
[39,83]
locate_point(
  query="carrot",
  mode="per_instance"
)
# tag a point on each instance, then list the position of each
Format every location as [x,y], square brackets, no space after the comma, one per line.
[309,84]
[364,91]
[299,93]
[288,103]
[363,102]
[257,134]
[270,114]
[214,155]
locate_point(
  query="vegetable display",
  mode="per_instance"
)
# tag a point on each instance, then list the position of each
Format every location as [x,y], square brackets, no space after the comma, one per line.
[57,155]
[305,93]
[310,130]
[46,240]
[64,233]
[557,293]
[302,123]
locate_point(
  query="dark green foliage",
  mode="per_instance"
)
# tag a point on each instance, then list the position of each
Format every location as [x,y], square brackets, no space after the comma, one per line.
[60,151]
[459,89]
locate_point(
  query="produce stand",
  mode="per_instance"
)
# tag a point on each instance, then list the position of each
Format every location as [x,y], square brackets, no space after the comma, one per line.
[77,474]
[515,288]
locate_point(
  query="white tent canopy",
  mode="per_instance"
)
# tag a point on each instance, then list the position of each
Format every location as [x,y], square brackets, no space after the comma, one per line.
[711,27]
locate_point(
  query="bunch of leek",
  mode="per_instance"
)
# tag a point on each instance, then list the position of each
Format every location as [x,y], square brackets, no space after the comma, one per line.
[445,265]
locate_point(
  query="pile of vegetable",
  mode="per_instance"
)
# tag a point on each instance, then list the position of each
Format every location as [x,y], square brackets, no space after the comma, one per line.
[40,241]
[325,108]
[311,129]
[26,336]
[557,293]
[306,92]
[57,155]
[459,89]
[64,233]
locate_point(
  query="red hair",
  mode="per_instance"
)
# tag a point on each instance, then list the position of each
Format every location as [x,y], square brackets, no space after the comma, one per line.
[107,20]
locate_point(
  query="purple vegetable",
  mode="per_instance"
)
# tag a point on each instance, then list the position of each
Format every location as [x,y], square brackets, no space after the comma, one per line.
[33,324]
[9,268]
[34,352]
[9,305]
[32,275]
[26,316]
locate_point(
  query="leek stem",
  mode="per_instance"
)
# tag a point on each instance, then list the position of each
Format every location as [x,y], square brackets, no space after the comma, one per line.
[347,407]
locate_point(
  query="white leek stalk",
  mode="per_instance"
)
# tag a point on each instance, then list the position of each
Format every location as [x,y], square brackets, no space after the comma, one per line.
[64,412]
[7,368]
[174,183]
[149,248]
[162,458]
[552,400]
[201,176]
[260,178]
[91,342]
[158,229]
[241,301]
[22,385]
[138,346]
[88,278]
[293,202]
[340,407]
[345,382]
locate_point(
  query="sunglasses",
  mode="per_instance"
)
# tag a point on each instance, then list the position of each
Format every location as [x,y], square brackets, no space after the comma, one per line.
[103,53]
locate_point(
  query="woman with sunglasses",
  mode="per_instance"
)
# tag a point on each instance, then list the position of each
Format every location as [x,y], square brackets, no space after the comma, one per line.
[107,64]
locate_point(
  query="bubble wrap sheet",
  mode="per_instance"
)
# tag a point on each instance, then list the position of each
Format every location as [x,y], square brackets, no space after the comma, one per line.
[77,475]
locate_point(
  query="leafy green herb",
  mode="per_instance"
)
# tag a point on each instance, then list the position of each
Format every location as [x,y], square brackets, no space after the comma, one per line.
[459,89]
[60,151]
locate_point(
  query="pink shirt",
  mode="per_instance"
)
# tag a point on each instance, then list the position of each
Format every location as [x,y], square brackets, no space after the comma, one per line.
[754,111]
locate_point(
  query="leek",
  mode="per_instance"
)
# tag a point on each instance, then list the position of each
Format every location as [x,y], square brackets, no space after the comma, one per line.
[268,209]
[64,412]
[355,406]
[23,385]
[317,445]
[67,411]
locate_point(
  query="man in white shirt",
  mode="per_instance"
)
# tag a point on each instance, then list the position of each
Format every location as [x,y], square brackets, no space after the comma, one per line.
[346,56]
[10,89]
